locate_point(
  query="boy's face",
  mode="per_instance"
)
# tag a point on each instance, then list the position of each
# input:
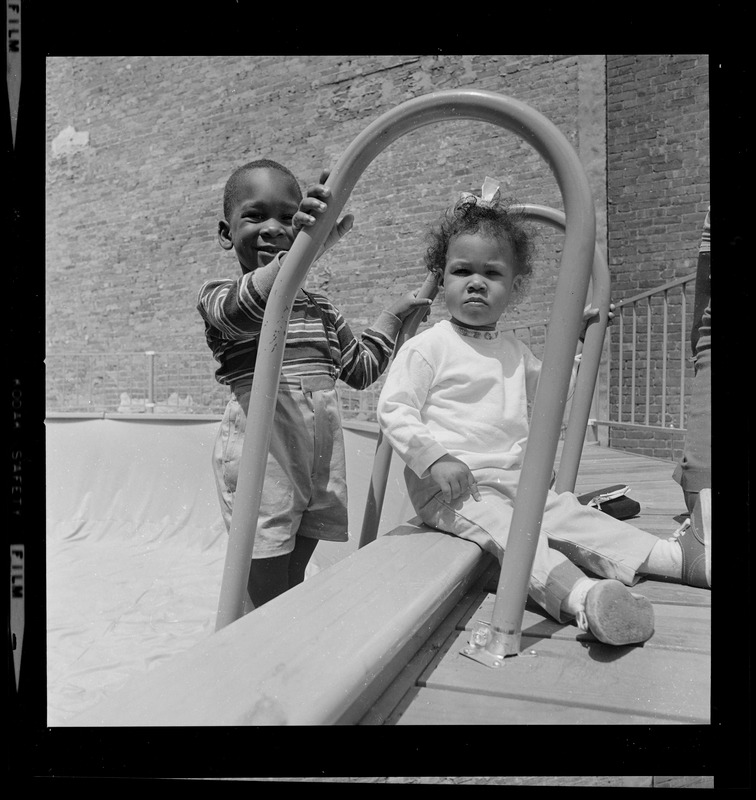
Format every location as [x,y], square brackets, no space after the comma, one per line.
[260,222]
[480,278]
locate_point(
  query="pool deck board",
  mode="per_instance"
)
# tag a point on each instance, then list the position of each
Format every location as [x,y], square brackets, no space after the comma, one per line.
[563,675]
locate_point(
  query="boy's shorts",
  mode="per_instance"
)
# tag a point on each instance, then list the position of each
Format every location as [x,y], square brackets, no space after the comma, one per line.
[304,492]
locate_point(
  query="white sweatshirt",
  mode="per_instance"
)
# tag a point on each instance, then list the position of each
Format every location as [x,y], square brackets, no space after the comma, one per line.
[460,392]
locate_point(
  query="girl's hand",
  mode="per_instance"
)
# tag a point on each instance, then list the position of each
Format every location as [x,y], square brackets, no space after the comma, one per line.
[454,478]
[408,302]
[315,202]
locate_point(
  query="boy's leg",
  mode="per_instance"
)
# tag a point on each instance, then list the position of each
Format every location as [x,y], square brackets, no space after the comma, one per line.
[300,558]
[326,517]
[227,449]
[269,577]
[284,496]
[306,493]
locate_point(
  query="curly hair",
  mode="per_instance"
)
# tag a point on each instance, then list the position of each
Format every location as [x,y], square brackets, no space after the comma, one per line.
[232,184]
[497,220]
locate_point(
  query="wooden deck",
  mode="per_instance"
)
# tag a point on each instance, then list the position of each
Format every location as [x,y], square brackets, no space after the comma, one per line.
[564,676]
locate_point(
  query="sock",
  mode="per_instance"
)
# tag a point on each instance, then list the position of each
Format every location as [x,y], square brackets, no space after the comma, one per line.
[575,600]
[664,560]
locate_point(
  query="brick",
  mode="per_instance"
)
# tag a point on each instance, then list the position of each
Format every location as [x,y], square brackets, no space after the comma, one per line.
[137,206]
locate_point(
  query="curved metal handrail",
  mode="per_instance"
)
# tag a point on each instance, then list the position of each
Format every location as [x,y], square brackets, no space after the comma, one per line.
[382,459]
[566,315]
[569,463]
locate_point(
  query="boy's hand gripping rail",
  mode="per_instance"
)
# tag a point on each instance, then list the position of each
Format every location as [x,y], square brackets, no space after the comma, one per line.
[550,398]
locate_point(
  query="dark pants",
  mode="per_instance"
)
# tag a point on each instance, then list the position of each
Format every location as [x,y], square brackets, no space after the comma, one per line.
[693,473]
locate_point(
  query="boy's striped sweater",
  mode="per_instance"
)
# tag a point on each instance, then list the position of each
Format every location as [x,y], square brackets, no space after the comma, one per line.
[318,342]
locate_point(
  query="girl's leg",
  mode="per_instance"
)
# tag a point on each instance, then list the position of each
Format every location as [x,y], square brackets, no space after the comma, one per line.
[614,549]
[593,540]
[606,608]
[487,524]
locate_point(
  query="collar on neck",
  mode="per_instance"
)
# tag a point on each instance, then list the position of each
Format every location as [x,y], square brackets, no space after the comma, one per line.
[474,333]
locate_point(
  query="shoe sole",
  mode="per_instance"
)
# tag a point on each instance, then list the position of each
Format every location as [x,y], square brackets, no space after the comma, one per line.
[616,616]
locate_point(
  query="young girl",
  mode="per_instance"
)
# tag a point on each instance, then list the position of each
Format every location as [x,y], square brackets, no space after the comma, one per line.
[304,493]
[454,406]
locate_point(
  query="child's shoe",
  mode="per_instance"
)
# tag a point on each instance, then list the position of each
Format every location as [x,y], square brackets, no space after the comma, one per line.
[616,616]
[694,538]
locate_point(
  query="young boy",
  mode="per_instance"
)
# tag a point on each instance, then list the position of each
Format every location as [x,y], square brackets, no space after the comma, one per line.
[304,493]
[454,406]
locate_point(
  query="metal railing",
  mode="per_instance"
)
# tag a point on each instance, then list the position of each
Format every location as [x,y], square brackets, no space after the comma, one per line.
[648,364]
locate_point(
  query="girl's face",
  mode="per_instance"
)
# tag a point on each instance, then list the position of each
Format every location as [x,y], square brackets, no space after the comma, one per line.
[260,223]
[480,278]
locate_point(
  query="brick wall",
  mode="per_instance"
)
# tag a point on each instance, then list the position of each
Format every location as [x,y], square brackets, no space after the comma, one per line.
[657,167]
[139,148]
[658,193]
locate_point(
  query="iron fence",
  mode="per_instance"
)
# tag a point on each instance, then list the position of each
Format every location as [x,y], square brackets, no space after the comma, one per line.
[648,366]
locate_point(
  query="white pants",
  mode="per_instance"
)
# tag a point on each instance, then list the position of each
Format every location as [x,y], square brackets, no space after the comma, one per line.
[574,538]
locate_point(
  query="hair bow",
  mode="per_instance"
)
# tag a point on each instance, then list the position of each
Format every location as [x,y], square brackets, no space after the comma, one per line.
[489,194]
